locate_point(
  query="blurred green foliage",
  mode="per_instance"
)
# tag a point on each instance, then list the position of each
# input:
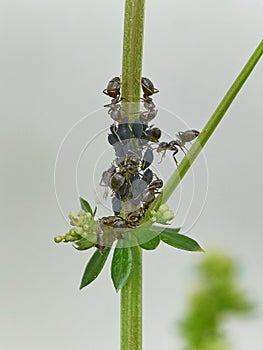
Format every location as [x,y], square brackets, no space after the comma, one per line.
[217,297]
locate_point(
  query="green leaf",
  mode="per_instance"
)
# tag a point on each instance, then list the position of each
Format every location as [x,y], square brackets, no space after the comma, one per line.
[172,237]
[151,244]
[83,244]
[121,265]
[148,238]
[86,206]
[94,267]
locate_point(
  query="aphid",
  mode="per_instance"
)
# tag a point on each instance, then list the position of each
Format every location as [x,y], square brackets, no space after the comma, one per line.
[116,205]
[113,90]
[138,188]
[115,112]
[137,128]
[150,112]
[147,159]
[124,132]
[112,139]
[147,176]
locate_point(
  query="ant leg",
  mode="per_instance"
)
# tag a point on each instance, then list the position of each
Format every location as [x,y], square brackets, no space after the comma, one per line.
[176,162]
[163,155]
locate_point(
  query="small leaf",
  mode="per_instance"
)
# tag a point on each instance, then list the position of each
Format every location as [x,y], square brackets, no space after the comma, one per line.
[121,265]
[151,244]
[83,244]
[173,238]
[86,206]
[94,267]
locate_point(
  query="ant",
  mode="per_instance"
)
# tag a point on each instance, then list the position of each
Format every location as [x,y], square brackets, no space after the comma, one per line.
[182,138]
[113,90]
[109,229]
[148,90]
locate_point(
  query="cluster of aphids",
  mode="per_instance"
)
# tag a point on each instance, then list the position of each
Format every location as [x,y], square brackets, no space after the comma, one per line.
[132,183]
[130,178]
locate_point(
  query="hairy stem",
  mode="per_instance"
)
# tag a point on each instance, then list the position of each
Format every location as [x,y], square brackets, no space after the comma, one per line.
[131,293]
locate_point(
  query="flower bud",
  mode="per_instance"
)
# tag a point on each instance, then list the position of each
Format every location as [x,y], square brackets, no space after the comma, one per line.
[58,239]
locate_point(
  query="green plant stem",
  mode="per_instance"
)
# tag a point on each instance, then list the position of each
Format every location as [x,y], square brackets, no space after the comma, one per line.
[211,125]
[132,50]
[131,305]
[131,293]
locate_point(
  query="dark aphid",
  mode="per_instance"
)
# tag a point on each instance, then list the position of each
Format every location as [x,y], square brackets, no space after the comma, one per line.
[147,176]
[121,150]
[116,205]
[138,187]
[137,128]
[148,88]
[113,89]
[134,148]
[134,177]
[187,136]
[144,140]
[124,132]
[124,191]
[154,134]
[147,159]
[112,139]
[116,181]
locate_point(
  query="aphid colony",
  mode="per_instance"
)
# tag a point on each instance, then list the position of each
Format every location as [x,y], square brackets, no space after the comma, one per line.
[132,183]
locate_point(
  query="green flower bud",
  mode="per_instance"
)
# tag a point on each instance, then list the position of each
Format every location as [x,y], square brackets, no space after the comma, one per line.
[163,208]
[168,215]
[58,239]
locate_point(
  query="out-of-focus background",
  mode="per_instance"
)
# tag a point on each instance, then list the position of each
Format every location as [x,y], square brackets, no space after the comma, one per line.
[56,58]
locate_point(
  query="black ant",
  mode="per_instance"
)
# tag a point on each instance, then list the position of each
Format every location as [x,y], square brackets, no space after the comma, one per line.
[182,138]
[109,229]
[113,90]
[148,90]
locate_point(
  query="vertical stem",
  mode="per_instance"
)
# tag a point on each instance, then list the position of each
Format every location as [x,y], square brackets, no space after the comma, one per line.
[132,50]
[131,305]
[131,293]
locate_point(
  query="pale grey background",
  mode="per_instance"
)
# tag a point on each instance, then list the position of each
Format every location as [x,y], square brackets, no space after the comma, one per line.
[56,57]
